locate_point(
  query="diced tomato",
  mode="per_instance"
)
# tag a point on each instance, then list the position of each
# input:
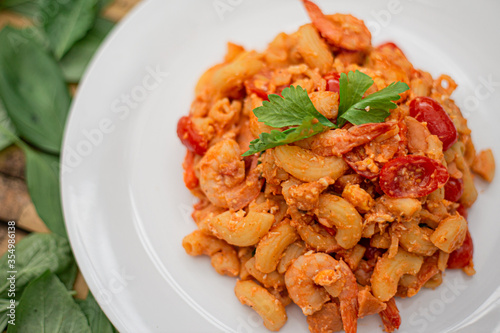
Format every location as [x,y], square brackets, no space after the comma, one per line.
[331,231]
[463,211]
[252,88]
[403,140]
[190,137]
[372,253]
[190,179]
[412,176]
[426,109]
[332,82]
[357,155]
[454,189]
[462,256]
[259,84]
[279,90]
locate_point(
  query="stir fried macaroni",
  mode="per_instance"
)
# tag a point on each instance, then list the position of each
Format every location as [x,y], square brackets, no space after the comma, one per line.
[342,222]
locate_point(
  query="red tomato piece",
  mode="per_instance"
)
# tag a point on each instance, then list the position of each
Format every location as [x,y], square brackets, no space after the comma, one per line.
[190,179]
[373,253]
[259,84]
[332,82]
[426,109]
[412,176]
[331,231]
[279,90]
[190,137]
[252,88]
[454,189]
[463,211]
[462,256]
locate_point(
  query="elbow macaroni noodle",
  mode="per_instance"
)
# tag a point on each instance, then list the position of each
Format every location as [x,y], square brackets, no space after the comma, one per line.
[301,223]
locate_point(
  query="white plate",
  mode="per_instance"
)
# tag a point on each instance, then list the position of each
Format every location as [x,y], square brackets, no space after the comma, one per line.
[124,199]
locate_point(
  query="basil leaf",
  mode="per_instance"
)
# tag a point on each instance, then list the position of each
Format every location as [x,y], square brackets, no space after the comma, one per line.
[4,303]
[65,22]
[5,140]
[29,8]
[98,321]
[35,254]
[32,8]
[42,177]
[33,91]
[74,63]
[46,306]
[68,276]
[102,4]
[291,109]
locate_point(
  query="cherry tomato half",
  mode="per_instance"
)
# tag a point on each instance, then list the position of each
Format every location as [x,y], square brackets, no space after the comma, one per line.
[463,211]
[462,256]
[332,82]
[190,137]
[454,189]
[412,176]
[426,109]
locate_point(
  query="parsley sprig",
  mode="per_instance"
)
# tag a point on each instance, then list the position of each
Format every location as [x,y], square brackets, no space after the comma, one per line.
[296,109]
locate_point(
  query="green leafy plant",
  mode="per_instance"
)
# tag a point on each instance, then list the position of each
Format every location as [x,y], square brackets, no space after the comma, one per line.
[34,255]
[296,109]
[33,91]
[5,122]
[47,306]
[74,63]
[42,177]
[4,303]
[36,64]
[97,319]
[67,22]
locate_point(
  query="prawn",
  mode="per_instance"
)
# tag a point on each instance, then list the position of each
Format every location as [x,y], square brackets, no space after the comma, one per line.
[314,278]
[421,141]
[368,159]
[391,64]
[223,178]
[341,30]
[340,141]
[390,316]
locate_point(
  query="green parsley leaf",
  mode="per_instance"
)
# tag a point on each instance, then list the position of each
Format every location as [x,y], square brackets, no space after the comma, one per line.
[296,109]
[351,89]
[372,109]
[290,110]
[277,138]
